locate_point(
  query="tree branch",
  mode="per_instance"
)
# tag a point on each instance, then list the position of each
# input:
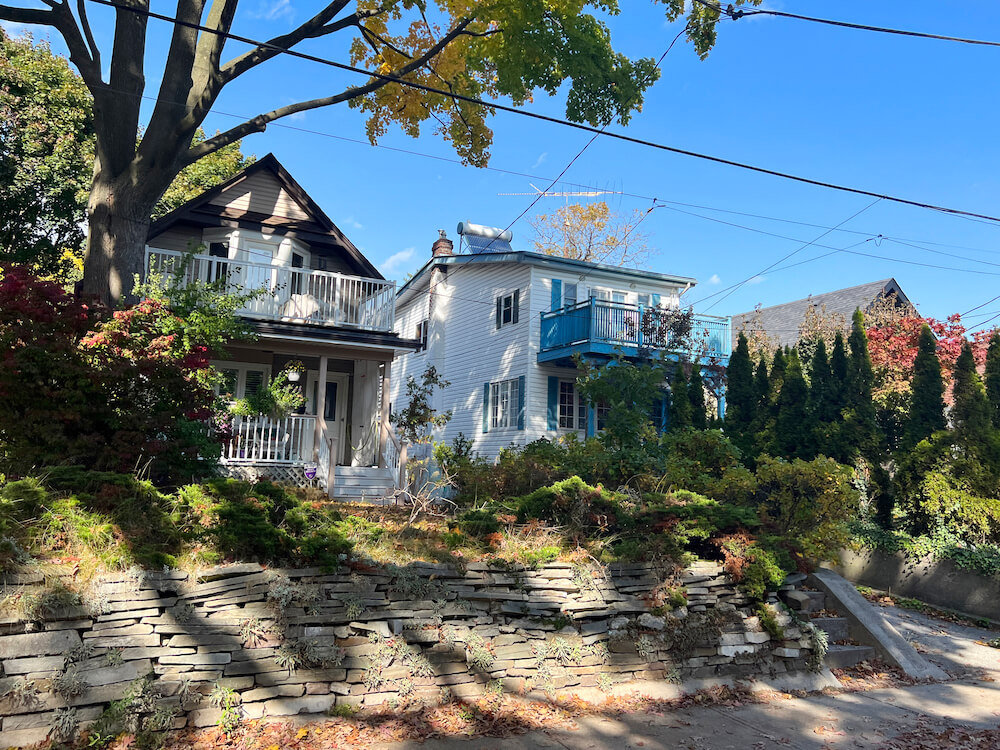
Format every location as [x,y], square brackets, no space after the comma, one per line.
[259,123]
[28,15]
[318,25]
[95,52]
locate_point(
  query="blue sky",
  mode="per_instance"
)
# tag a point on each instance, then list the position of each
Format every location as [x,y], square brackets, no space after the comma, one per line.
[907,117]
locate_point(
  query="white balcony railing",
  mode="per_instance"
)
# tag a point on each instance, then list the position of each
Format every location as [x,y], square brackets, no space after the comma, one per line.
[297,295]
[260,440]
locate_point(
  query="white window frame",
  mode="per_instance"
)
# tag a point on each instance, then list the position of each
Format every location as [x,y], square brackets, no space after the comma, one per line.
[241,369]
[569,300]
[504,404]
[507,309]
[578,417]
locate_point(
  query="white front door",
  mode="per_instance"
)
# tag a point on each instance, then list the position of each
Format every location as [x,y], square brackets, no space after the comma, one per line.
[335,408]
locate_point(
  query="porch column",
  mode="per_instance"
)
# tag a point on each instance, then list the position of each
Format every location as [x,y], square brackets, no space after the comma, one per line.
[321,407]
[384,414]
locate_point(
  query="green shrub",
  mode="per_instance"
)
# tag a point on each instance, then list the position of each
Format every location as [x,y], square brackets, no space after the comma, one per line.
[807,503]
[571,502]
[478,523]
[754,568]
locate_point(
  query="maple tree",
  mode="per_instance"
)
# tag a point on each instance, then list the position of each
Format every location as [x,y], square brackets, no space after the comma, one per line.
[592,232]
[498,48]
[46,151]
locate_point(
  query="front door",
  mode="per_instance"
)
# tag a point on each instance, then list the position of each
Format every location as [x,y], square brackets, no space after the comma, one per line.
[334,408]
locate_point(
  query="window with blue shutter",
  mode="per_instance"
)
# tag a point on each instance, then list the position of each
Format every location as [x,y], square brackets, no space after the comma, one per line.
[507,309]
[556,294]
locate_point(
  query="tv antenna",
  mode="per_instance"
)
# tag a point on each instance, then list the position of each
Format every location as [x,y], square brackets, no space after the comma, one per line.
[564,194]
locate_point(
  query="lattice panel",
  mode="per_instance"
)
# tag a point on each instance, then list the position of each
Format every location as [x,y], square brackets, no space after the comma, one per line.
[293,475]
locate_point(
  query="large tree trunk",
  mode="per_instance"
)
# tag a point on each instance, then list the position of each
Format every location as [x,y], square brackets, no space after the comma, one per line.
[119,213]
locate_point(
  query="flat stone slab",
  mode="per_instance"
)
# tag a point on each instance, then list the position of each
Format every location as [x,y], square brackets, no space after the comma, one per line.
[38,644]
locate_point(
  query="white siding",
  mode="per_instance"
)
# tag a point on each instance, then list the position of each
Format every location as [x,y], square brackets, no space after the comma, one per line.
[260,193]
[410,363]
[469,351]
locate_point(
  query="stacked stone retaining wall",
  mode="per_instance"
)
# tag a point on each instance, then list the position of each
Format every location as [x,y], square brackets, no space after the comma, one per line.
[304,641]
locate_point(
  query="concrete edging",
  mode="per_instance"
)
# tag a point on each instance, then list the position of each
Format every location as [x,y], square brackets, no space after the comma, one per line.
[870,628]
[941,583]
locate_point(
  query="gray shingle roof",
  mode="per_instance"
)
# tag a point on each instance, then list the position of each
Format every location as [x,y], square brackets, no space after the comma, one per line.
[781,322]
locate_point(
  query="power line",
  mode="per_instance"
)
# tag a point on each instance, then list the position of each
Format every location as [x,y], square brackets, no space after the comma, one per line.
[732,290]
[587,145]
[737,13]
[546,118]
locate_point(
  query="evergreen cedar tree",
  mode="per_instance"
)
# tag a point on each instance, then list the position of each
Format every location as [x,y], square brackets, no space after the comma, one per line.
[793,431]
[970,412]
[925,415]
[741,397]
[506,49]
[860,422]
[680,403]
[696,395]
[993,377]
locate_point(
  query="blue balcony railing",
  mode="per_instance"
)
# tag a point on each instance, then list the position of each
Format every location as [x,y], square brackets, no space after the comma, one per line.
[603,327]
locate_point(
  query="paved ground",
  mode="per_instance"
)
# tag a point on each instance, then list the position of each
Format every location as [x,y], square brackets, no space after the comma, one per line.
[955,648]
[845,720]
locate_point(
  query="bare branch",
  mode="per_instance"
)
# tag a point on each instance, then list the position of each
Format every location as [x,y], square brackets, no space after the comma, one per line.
[95,53]
[28,15]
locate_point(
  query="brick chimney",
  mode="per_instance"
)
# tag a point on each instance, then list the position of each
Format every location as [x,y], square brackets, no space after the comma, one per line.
[442,246]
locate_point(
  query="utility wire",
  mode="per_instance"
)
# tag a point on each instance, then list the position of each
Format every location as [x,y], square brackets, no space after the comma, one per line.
[547,118]
[738,13]
[581,151]
[735,287]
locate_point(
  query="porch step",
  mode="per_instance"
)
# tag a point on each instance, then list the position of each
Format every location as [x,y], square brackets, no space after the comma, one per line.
[364,472]
[839,656]
[835,627]
[361,495]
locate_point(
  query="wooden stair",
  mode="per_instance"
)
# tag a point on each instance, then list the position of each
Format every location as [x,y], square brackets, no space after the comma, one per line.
[363,484]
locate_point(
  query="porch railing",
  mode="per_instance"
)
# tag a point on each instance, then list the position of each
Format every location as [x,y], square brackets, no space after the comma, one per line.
[261,440]
[629,327]
[298,295]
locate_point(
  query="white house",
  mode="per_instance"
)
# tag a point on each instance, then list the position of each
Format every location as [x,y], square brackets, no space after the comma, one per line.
[503,326]
[326,307]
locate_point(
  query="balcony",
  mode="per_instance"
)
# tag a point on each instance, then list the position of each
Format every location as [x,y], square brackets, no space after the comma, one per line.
[291,295]
[605,328]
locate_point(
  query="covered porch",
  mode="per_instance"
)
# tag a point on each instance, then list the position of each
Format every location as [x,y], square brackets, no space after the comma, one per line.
[340,440]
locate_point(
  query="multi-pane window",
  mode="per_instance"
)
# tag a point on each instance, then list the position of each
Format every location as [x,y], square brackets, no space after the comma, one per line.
[507,309]
[601,411]
[504,403]
[572,410]
[240,381]
[569,294]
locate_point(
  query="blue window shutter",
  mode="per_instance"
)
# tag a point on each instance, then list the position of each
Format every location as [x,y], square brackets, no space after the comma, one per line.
[499,311]
[520,402]
[656,300]
[556,294]
[486,407]
[517,304]
[553,402]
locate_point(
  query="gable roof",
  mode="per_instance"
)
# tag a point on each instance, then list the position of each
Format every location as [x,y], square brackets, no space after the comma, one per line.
[538,259]
[316,221]
[782,322]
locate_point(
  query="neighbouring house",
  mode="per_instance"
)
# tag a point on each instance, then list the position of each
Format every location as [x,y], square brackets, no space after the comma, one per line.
[783,324]
[503,327]
[327,307]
